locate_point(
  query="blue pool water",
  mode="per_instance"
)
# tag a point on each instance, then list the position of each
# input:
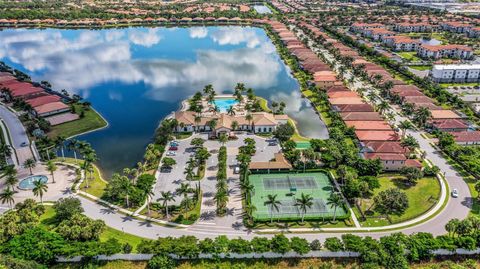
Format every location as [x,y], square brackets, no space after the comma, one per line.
[28,183]
[224,103]
[136,76]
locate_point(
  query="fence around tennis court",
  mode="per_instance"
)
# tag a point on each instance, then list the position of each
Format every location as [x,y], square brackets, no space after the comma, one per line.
[288,187]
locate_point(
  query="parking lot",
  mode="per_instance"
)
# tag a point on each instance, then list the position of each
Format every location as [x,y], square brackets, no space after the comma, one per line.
[171,180]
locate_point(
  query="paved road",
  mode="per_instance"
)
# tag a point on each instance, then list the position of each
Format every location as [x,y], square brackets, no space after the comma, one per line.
[456,207]
[17,133]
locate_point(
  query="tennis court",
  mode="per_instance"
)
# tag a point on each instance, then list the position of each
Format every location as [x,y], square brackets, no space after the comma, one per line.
[289,187]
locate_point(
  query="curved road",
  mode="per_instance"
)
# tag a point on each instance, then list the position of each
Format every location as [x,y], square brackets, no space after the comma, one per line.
[18,134]
[455,208]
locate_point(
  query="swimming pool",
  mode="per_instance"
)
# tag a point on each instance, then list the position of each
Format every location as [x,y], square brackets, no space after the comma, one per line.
[224,103]
[28,182]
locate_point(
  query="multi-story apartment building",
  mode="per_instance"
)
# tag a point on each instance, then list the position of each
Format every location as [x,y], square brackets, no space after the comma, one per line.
[358,27]
[456,27]
[456,73]
[444,51]
[377,34]
[408,27]
[401,43]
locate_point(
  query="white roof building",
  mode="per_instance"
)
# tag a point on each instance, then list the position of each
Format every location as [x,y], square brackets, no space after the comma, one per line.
[456,73]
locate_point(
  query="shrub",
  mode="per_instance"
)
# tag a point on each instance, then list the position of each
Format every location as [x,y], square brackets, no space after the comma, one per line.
[161,262]
[300,245]
[260,244]
[127,248]
[65,208]
[315,245]
[333,244]
[280,244]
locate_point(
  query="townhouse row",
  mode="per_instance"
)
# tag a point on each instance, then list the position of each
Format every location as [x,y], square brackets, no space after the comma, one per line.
[42,103]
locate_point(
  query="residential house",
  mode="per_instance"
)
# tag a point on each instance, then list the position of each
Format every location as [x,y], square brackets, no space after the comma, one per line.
[449,125]
[467,138]
[401,43]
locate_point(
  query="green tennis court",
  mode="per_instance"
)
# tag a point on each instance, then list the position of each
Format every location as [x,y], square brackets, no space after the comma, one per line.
[288,187]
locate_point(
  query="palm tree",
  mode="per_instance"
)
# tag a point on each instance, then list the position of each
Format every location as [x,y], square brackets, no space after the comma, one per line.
[249,210]
[249,118]
[273,203]
[422,115]
[335,200]
[30,164]
[409,142]
[404,126]
[221,198]
[72,145]
[5,150]
[382,107]
[59,142]
[184,190]
[39,188]
[150,194]
[6,197]
[51,167]
[247,188]
[11,181]
[304,202]
[197,120]
[208,89]
[189,175]
[223,139]
[234,125]
[166,198]
[141,167]
[231,111]
[212,124]
[126,186]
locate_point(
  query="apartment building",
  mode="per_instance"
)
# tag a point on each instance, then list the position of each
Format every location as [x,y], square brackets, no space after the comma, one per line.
[456,27]
[401,43]
[377,34]
[445,51]
[358,27]
[456,73]
[408,27]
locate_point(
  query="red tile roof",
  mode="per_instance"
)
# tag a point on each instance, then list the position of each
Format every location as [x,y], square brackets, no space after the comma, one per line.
[466,136]
[385,156]
[377,136]
[369,125]
[370,116]
[386,147]
[43,100]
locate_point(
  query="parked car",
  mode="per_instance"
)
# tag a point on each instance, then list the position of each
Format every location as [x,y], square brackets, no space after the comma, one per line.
[455,193]
[173,148]
[171,153]
[24,144]
[236,170]
[174,143]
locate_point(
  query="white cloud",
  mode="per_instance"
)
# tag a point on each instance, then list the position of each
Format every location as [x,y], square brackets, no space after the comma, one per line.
[235,36]
[93,58]
[142,38]
[198,32]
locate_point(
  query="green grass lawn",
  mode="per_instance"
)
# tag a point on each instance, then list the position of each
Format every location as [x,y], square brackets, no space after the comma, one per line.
[264,104]
[421,197]
[446,85]
[96,186]
[409,56]
[91,121]
[297,137]
[421,67]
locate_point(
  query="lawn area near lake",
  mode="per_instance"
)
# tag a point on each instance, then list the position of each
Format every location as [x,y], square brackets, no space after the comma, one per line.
[90,121]
[96,185]
[421,197]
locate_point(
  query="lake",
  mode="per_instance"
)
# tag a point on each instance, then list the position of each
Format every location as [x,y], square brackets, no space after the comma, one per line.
[136,76]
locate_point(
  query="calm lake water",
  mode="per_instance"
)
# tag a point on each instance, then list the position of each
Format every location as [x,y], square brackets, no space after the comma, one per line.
[136,76]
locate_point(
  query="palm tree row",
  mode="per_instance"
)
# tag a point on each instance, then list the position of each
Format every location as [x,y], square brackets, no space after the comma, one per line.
[221,197]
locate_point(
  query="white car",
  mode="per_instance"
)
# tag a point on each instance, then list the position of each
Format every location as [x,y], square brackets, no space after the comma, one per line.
[455,193]
[171,153]
[236,170]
